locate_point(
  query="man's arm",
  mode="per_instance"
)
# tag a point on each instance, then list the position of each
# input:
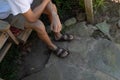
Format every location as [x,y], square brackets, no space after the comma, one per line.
[32,16]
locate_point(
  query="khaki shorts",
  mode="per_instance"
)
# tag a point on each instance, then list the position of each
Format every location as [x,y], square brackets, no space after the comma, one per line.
[19,21]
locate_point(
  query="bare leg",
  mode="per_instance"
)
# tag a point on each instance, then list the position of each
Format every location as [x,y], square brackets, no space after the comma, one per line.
[42,34]
[40,29]
[51,11]
[56,25]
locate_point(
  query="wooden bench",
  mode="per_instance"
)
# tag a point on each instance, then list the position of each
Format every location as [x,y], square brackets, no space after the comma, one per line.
[7,38]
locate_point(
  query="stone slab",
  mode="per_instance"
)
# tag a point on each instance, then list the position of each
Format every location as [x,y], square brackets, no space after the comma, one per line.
[90,59]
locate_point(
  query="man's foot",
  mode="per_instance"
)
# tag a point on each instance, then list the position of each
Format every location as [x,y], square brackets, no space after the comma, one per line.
[64,37]
[61,52]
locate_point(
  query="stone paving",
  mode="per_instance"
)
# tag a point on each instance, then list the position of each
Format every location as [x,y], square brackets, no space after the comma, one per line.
[90,59]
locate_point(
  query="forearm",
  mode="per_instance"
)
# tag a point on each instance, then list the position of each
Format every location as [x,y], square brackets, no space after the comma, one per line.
[39,9]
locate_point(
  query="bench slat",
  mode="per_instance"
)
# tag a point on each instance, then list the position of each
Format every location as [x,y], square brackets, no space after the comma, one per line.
[24,35]
[4,25]
[3,38]
[4,50]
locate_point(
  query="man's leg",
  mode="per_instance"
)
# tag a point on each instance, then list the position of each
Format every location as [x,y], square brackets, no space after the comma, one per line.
[51,11]
[40,29]
[42,34]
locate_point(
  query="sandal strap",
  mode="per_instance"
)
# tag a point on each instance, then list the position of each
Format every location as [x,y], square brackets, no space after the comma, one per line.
[64,53]
[61,52]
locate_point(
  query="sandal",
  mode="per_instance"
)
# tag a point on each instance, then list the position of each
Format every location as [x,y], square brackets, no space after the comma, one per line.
[61,52]
[65,37]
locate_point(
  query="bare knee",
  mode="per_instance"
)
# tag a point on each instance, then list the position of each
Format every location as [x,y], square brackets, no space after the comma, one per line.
[54,7]
[39,27]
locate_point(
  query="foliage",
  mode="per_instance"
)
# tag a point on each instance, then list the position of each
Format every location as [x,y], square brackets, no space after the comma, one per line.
[81,4]
[97,4]
[67,8]
[63,5]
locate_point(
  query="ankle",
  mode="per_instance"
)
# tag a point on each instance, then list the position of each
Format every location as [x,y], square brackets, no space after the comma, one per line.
[53,47]
[58,35]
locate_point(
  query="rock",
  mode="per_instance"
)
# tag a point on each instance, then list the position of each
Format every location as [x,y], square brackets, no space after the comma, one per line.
[91,28]
[119,23]
[119,11]
[113,19]
[90,60]
[81,30]
[70,22]
[108,58]
[117,37]
[107,18]
[118,45]
[105,28]
[102,76]
[113,30]
[81,17]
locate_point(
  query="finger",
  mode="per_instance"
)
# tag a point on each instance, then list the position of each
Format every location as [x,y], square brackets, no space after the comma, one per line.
[59,29]
[56,28]
[51,27]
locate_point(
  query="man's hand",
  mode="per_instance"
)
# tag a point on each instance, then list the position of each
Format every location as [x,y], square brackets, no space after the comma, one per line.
[56,24]
[116,1]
